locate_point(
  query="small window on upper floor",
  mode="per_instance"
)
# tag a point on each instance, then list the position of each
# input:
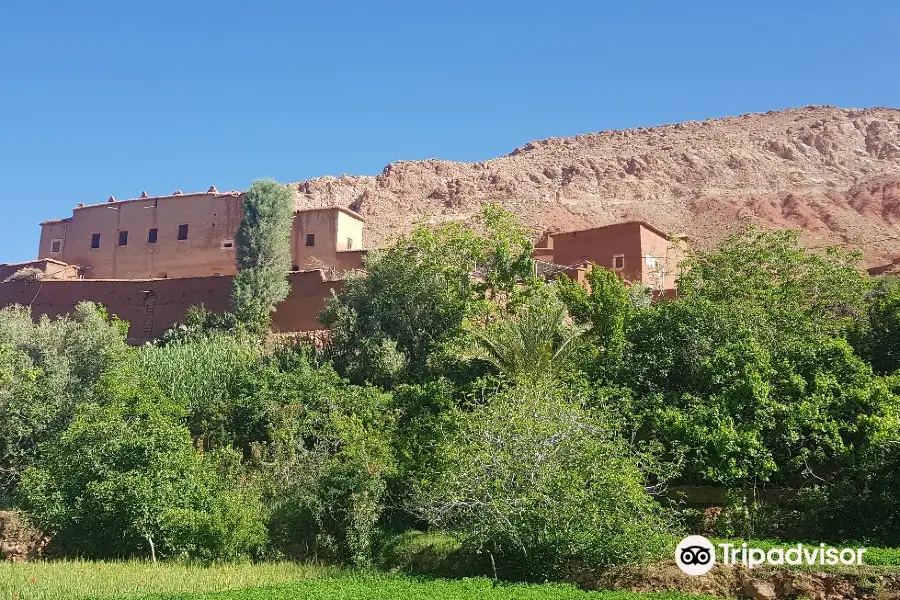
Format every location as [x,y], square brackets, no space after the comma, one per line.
[123,238]
[349,243]
[227,244]
[95,241]
[310,239]
[55,246]
[182,232]
[618,261]
[151,237]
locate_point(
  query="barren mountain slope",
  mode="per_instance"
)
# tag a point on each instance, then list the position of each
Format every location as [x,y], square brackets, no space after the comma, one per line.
[833,172]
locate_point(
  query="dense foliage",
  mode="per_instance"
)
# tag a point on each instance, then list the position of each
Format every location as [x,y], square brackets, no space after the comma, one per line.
[263,253]
[533,420]
[536,479]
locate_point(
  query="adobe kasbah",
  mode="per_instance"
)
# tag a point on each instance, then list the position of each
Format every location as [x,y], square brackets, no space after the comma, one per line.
[149,259]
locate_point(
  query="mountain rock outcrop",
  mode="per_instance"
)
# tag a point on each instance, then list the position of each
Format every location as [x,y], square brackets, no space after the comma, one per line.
[835,173]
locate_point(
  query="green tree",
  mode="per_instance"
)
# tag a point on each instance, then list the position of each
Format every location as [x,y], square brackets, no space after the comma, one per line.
[416,294]
[45,369]
[880,341]
[536,480]
[802,291]
[535,340]
[604,306]
[719,385]
[325,460]
[123,479]
[263,253]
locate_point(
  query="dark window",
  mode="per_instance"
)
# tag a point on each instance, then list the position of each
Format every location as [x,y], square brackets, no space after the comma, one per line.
[55,245]
[182,232]
[151,237]
[95,241]
[619,261]
[123,238]
[310,239]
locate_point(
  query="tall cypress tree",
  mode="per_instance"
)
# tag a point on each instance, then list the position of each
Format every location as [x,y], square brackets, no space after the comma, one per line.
[263,253]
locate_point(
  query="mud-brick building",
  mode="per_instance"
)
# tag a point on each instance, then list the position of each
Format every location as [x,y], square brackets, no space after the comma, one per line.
[638,251]
[149,259]
[188,235]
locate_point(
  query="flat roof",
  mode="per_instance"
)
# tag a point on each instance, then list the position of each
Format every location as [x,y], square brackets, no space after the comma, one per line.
[166,197]
[36,261]
[346,211]
[649,226]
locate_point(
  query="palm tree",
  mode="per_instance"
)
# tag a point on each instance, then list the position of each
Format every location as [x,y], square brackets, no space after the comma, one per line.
[537,340]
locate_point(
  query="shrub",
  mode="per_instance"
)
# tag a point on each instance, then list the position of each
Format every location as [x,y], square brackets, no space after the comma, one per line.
[536,481]
[864,505]
[45,368]
[207,378]
[124,480]
[719,385]
[326,465]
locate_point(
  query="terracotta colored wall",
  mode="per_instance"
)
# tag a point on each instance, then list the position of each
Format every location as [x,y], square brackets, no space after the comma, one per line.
[667,256]
[599,246]
[51,268]
[350,259]
[211,218]
[332,230]
[152,306]
[322,225]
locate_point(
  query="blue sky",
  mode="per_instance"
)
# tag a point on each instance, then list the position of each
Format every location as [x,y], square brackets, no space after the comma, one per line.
[100,98]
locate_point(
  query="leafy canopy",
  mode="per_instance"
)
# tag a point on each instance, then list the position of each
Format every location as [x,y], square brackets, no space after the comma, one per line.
[416,294]
[535,479]
[263,253]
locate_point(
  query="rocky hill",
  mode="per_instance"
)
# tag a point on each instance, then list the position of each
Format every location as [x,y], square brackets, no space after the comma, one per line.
[833,172]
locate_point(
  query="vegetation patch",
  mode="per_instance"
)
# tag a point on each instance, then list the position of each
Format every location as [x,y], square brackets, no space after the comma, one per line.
[75,579]
[386,587]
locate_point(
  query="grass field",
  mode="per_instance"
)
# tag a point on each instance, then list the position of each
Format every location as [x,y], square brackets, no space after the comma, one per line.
[395,587]
[83,579]
[280,581]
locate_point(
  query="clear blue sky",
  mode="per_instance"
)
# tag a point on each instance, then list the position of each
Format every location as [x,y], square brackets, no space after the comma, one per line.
[100,98]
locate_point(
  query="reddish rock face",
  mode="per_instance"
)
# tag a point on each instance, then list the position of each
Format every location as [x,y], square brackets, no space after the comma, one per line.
[832,172]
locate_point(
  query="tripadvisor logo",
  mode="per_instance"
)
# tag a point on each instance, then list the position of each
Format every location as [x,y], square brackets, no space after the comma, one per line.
[696,555]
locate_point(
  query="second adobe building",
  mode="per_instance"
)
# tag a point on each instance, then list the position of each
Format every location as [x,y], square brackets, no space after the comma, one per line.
[149,259]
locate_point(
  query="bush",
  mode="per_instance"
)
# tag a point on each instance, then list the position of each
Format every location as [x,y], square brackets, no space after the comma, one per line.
[124,480]
[864,505]
[327,462]
[536,481]
[45,368]
[719,385]
[207,378]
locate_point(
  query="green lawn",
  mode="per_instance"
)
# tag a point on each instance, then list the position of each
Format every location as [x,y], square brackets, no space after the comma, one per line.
[397,587]
[81,580]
